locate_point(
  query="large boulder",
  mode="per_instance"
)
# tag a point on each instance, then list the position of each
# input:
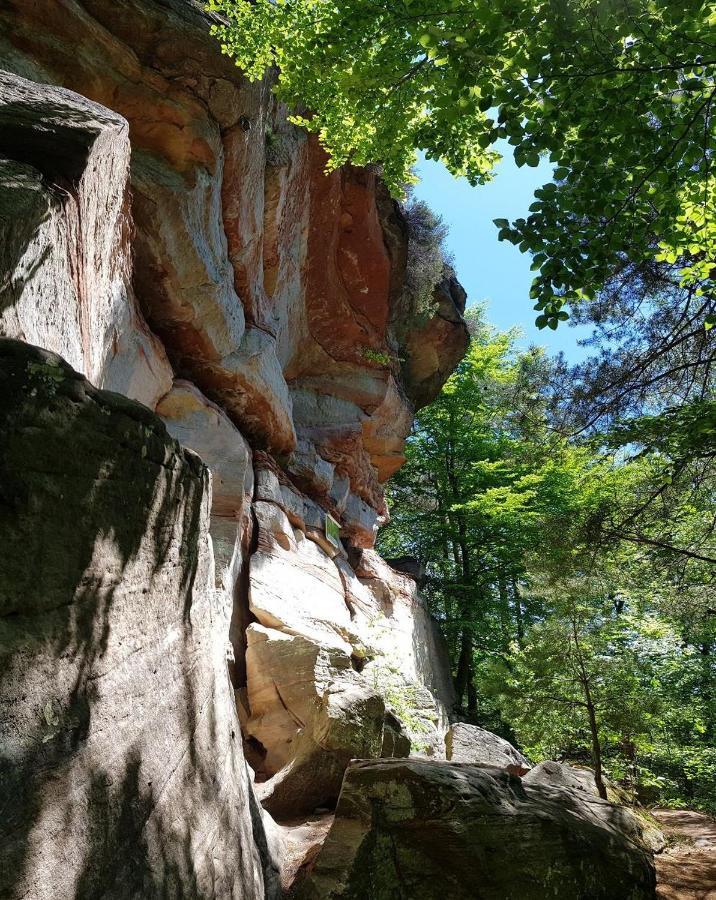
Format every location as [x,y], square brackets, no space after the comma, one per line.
[348,719]
[571,778]
[466,743]
[633,821]
[428,830]
[121,769]
[65,255]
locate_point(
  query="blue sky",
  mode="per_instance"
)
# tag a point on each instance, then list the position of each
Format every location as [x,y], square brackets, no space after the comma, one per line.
[491,270]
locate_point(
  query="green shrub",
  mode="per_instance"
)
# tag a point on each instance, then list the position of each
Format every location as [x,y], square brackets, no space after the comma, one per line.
[679,776]
[427,258]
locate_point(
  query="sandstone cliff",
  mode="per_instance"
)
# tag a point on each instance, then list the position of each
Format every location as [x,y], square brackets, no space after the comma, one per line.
[229,364]
[168,234]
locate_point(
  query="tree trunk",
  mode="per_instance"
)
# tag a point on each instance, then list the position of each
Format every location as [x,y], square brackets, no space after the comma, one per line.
[596,746]
[519,614]
[505,618]
[471,692]
[592,714]
[463,676]
[706,650]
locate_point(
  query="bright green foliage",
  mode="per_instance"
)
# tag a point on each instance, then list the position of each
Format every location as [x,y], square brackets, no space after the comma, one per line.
[682,433]
[483,486]
[650,690]
[573,582]
[617,93]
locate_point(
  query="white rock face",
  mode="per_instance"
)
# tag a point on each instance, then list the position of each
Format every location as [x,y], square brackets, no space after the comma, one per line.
[202,426]
[65,258]
[404,630]
[295,586]
[470,744]
[340,664]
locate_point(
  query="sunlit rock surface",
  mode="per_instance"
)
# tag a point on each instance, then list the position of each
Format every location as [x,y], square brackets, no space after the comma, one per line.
[275,289]
[65,238]
[168,233]
[635,822]
[470,744]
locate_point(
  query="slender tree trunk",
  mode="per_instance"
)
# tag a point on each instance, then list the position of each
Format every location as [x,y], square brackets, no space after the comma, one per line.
[471,692]
[705,650]
[592,714]
[596,746]
[505,619]
[519,613]
[463,675]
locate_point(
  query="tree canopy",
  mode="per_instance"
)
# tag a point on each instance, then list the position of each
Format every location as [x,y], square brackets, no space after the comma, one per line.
[618,94]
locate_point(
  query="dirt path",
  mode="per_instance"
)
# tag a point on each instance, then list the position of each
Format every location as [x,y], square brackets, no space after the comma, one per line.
[686,870]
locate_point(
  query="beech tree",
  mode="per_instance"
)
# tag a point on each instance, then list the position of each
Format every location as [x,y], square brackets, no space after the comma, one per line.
[617,93]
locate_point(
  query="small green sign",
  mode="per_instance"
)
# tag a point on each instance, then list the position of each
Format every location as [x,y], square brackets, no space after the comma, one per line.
[332,531]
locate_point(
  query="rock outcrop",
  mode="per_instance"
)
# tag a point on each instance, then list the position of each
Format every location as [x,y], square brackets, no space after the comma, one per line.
[466,743]
[64,238]
[340,662]
[635,822]
[169,234]
[274,288]
[429,830]
[121,769]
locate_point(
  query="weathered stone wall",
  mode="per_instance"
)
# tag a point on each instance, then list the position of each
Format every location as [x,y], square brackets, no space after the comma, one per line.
[65,238]
[274,288]
[121,770]
[174,239]
[168,233]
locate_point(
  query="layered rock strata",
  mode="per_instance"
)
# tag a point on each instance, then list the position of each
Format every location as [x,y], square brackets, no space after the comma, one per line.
[167,232]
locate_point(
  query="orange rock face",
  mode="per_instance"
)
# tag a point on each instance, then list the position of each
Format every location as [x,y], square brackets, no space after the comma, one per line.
[274,287]
[172,234]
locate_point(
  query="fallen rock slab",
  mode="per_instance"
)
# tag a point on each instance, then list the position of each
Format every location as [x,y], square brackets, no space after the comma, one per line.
[466,743]
[429,830]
